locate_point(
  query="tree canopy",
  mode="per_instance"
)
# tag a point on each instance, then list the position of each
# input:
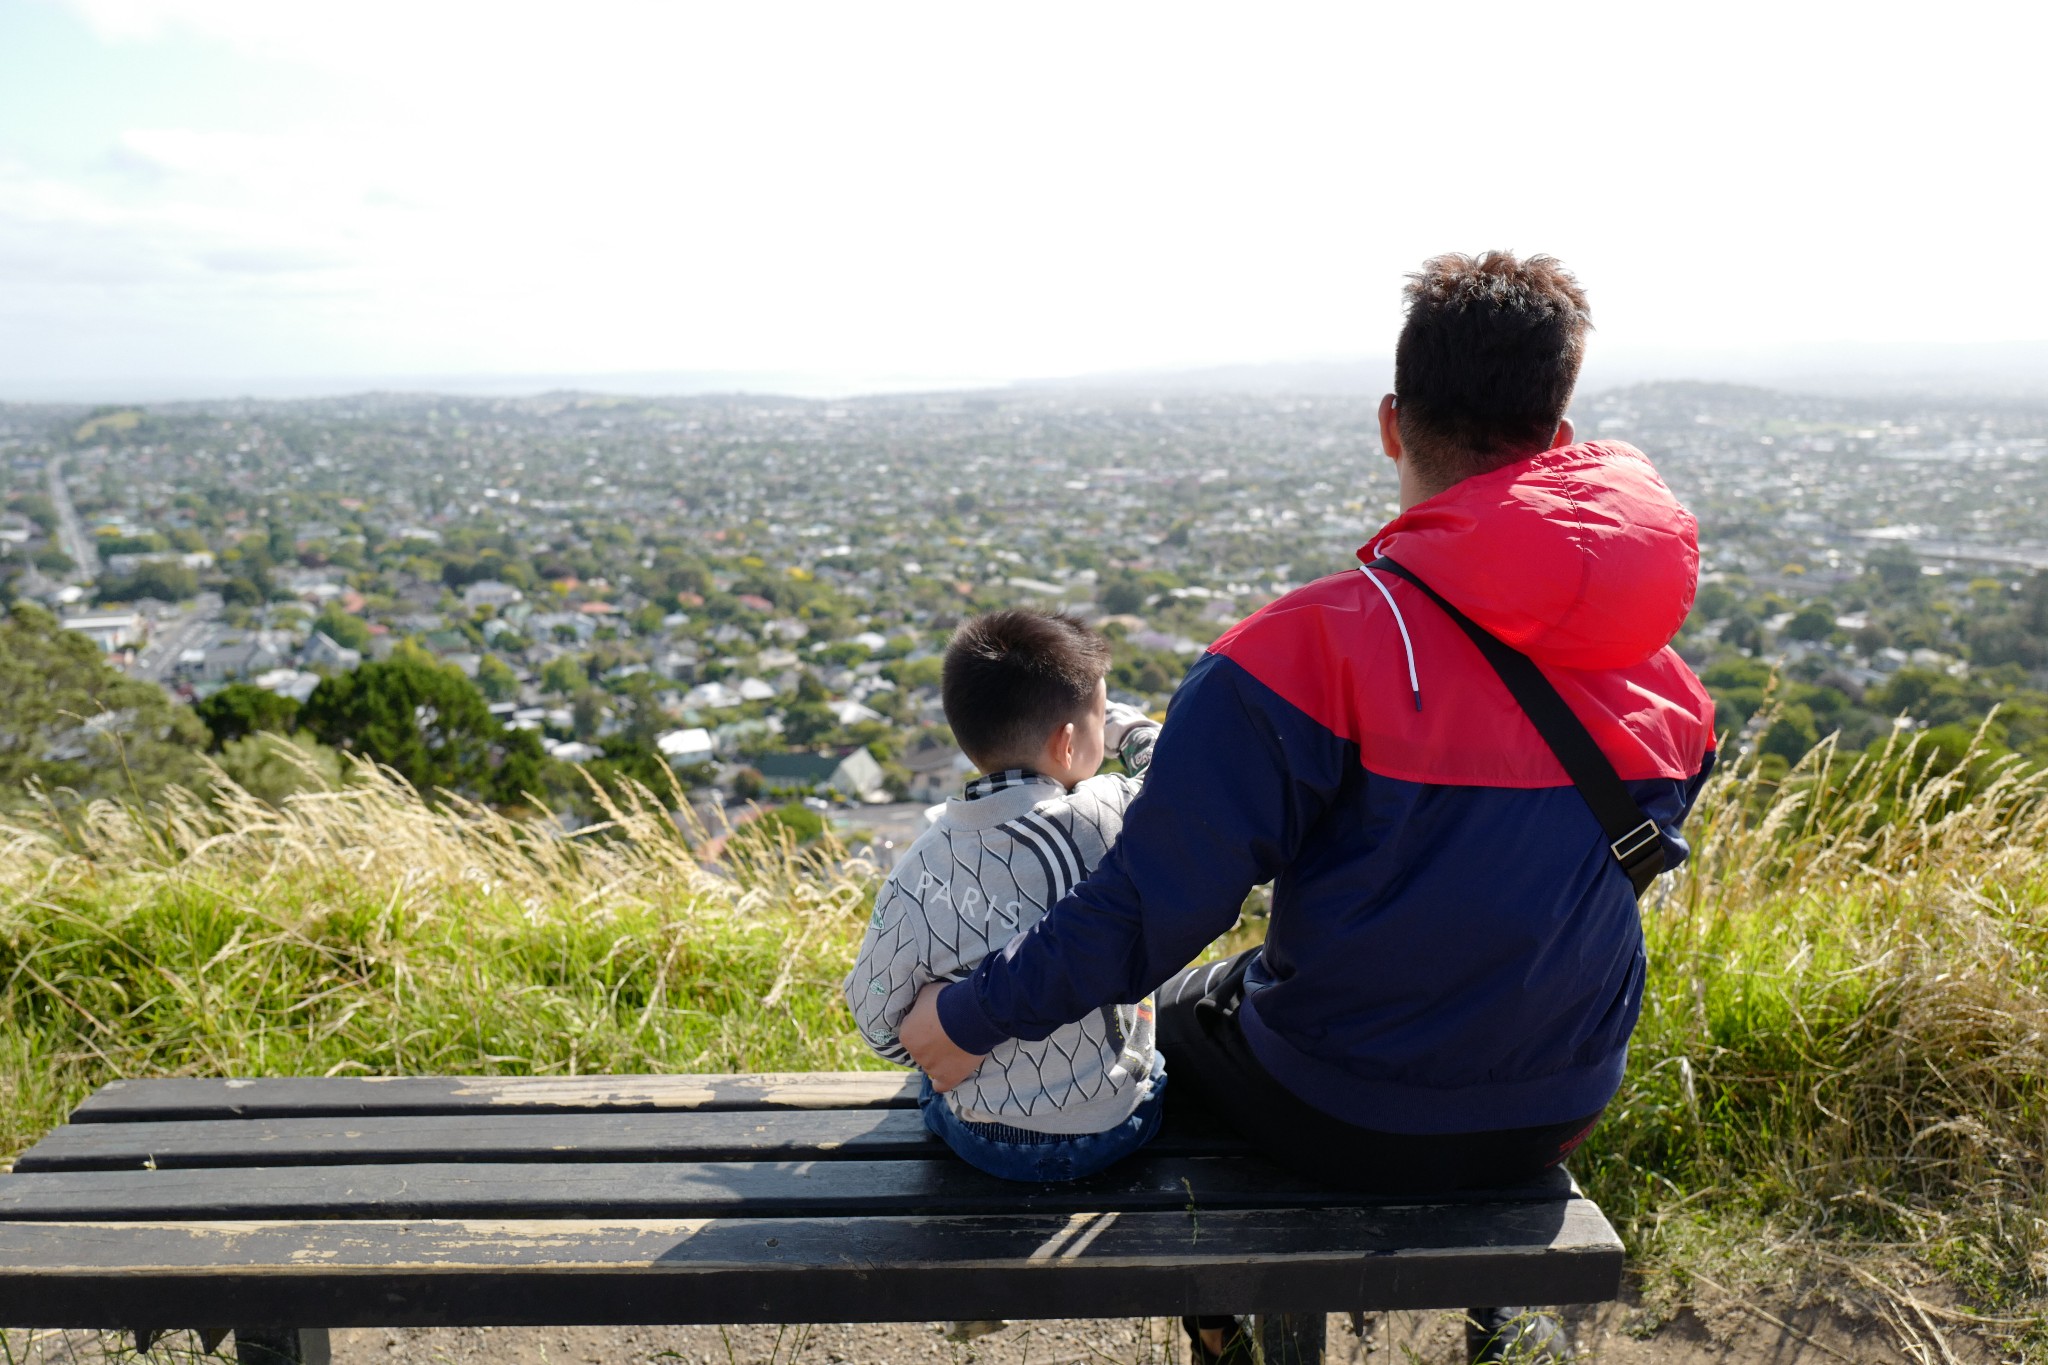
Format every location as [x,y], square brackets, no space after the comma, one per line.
[70,720]
[427,722]
[240,710]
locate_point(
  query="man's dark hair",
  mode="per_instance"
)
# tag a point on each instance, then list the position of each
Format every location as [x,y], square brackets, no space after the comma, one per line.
[1487,361]
[1011,678]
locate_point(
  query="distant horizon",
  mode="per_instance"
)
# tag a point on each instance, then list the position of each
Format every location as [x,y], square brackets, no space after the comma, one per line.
[1958,370]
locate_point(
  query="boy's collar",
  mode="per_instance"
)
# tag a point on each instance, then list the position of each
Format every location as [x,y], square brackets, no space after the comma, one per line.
[988,784]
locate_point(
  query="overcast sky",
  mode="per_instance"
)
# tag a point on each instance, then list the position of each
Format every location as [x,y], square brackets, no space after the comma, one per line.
[202,192]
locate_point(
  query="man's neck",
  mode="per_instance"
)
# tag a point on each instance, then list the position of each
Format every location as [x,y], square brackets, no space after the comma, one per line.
[1413,490]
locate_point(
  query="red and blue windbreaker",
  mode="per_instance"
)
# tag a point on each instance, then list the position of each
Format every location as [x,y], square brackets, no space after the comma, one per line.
[1452,947]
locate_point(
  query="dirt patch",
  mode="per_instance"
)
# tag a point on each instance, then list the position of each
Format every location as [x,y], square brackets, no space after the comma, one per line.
[1768,1333]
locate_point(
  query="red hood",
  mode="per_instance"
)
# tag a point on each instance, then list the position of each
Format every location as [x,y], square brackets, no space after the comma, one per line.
[1580,557]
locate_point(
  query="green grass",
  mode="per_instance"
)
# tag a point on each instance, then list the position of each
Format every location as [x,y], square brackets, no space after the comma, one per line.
[1840,1078]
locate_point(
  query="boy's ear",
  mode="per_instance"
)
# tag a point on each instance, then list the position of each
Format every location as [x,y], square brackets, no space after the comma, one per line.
[1062,744]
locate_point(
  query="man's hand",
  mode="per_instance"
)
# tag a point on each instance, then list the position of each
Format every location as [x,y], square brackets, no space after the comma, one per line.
[1118,720]
[924,1038]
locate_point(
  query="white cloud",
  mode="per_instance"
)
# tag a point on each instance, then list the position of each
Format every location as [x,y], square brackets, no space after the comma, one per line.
[955,189]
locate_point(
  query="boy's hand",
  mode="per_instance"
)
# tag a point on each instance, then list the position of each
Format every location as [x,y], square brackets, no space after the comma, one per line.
[924,1038]
[1118,720]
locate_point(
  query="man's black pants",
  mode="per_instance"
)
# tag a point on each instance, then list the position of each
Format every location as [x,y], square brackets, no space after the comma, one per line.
[1212,1067]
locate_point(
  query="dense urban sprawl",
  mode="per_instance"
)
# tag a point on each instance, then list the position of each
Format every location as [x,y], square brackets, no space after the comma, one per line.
[512,598]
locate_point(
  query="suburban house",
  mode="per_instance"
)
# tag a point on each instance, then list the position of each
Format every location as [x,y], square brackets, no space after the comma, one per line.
[684,748]
[321,651]
[229,662]
[937,771]
[110,630]
[854,774]
[489,592]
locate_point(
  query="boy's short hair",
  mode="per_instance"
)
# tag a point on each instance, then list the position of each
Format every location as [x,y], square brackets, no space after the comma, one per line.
[1487,361]
[1010,678]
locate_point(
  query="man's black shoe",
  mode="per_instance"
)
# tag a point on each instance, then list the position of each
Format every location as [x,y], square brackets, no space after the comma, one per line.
[1237,1342]
[1514,1336]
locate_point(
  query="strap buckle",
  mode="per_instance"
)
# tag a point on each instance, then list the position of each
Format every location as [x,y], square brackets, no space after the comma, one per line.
[1638,841]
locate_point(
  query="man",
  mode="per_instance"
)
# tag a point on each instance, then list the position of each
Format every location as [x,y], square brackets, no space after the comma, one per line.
[1454,961]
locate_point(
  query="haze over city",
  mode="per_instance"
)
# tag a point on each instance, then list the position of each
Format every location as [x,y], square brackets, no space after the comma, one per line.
[200,198]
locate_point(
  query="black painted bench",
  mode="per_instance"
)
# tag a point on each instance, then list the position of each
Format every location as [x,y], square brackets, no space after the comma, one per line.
[277,1209]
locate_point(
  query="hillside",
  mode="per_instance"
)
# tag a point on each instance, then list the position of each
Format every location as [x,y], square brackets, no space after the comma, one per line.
[1840,1079]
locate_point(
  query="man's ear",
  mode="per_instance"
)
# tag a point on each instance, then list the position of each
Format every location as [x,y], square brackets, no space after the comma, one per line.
[1390,428]
[1564,434]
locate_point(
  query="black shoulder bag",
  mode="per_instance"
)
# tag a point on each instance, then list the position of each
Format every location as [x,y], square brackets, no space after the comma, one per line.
[1632,836]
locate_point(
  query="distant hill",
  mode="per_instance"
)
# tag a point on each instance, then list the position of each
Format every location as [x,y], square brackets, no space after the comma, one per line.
[2000,369]
[2006,370]
[1347,377]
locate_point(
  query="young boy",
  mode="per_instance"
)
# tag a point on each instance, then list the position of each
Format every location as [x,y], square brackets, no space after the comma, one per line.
[1024,694]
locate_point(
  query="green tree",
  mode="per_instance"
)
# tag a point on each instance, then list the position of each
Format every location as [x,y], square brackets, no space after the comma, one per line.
[346,630]
[586,714]
[2003,640]
[805,723]
[167,581]
[1792,733]
[521,763]
[415,715]
[763,836]
[246,590]
[1122,594]
[564,675]
[133,545]
[1872,638]
[496,679]
[271,767]
[1715,602]
[1815,622]
[1897,571]
[40,510]
[914,673]
[1742,632]
[239,710]
[69,720]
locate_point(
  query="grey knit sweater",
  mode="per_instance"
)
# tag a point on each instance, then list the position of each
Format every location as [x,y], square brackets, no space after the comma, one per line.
[995,861]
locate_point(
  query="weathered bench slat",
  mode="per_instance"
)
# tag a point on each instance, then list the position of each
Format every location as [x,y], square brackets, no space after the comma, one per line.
[184,1098]
[810,1134]
[385,1273]
[657,1190]
[823,1134]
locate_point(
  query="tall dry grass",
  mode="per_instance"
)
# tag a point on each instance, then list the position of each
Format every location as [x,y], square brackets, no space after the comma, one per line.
[356,928]
[1841,1071]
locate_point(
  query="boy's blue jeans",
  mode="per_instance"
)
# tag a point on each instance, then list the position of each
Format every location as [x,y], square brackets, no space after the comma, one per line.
[1017,1154]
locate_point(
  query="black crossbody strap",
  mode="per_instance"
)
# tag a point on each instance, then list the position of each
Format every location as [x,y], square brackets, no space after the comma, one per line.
[1631,835]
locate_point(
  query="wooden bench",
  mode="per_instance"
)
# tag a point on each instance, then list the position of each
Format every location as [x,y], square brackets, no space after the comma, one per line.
[279,1209]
